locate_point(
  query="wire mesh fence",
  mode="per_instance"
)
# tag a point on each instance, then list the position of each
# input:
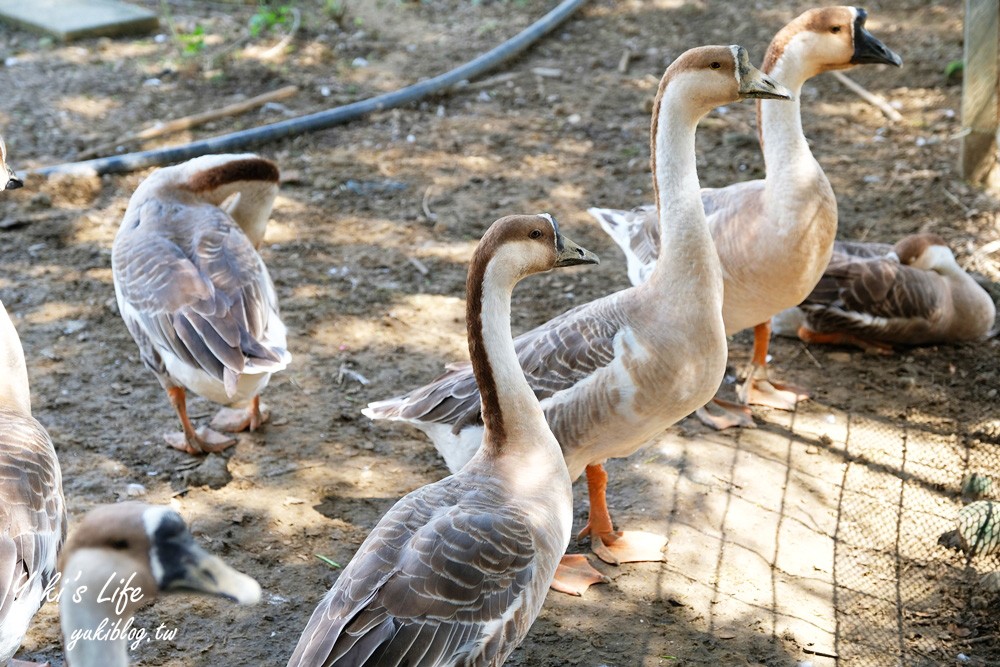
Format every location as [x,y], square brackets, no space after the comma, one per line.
[916,540]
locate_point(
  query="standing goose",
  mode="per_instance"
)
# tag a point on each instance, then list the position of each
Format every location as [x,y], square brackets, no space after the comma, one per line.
[194,293]
[456,572]
[775,235]
[874,295]
[7,176]
[149,548]
[32,510]
[613,373]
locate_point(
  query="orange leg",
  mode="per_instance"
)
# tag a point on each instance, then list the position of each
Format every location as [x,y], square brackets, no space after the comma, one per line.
[575,575]
[870,346]
[191,441]
[234,420]
[611,546]
[759,390]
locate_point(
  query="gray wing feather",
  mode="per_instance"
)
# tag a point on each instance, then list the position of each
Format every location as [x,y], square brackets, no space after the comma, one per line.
[198,289]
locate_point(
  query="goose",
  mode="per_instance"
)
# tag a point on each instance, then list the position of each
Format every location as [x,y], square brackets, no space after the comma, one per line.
[118,559]
[32,509]
[456,572]
[12,182]
[774,235]
[875,295]
[613,373]
[196,296]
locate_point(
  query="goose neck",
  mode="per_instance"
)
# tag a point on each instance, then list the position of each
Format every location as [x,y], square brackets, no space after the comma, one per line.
[781,132]
[14,391]
[511,414]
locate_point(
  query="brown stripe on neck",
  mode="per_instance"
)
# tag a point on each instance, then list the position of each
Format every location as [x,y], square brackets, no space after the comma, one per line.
[248,169]
[481,368]
[654,127]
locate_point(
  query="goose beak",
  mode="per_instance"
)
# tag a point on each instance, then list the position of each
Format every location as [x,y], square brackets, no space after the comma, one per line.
[754,83]
[868,50]
[197,570]
[570,254]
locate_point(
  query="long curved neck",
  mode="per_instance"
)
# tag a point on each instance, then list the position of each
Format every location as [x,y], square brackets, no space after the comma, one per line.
[14,391]
[685,240]
[780,121]
[511,413]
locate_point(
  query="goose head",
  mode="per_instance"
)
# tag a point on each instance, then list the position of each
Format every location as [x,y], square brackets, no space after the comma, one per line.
[120,558]
[527,244]
[831,38]
[11,182]
[928,252]
[244,186]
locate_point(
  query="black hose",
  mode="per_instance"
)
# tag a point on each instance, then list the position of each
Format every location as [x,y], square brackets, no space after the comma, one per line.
[322,120]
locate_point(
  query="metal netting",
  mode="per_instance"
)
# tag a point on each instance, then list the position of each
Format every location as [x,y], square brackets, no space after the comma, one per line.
[913,552]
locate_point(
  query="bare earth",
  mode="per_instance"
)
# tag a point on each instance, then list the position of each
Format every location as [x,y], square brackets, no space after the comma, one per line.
[809,537]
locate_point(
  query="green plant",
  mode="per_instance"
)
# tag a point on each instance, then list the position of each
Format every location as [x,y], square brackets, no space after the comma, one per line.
[192,43]
[268,17]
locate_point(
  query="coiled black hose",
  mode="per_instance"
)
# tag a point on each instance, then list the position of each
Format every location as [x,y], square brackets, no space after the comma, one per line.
[322,120]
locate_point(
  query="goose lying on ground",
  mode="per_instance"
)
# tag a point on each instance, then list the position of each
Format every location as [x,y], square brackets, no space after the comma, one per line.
[775,235]
[613,373]
[194,293]
[149,548]
[32,509]
[874,295]
[7,176]
[456,572]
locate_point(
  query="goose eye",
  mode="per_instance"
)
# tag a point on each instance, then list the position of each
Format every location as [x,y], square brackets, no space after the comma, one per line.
[535,234]
[715,65]
[835,29]
[119,545]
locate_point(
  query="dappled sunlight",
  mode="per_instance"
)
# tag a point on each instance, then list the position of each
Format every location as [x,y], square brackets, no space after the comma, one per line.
[87,107]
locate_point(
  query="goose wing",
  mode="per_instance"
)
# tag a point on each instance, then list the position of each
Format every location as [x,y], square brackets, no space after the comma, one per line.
[191,285]
[442,576]
[554,357]
[32,517]
[873,295]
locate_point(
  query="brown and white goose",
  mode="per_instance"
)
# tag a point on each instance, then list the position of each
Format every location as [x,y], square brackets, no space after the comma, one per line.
[613,373]
[143,551]
[8,178]
[456,572]
[194,293]
[775,235]
[875,295]
[32,510]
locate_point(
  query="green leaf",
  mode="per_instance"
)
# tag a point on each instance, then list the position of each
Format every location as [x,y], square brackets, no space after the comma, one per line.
[954,68]
[329,561]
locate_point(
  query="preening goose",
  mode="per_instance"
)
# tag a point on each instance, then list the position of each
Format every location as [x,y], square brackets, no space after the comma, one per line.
[8,177]
[775,235]
[194,293]
[456,572]
[32,510]
[613,373]
[874,295]
[118,559]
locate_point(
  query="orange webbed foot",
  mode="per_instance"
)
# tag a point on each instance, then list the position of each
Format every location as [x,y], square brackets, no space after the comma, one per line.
[206,441]
[575,575]
[762,391]
[235,420]
[631,546]
[721,414]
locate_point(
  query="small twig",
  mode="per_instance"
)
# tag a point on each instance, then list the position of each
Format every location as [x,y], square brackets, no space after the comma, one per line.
[488,83]
[425,205]
[867,96]
[624,61]
[161,129]
[346,372]
[810,355]
[290,469]
[955,200]
[418,265]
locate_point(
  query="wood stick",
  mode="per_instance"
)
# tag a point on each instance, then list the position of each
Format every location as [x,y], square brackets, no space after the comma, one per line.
[624,61]
[869,97]
[161,129]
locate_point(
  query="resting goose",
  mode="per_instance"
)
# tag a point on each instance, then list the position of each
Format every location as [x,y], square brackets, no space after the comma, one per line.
[12,182]
[456,572]
[613,373]
[149,548]
[194,293]
[874,295]
[775,235]
[32,510]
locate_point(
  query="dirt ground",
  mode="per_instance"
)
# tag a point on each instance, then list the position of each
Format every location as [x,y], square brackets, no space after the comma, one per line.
[368,248]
